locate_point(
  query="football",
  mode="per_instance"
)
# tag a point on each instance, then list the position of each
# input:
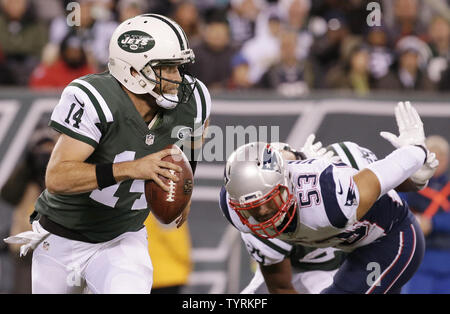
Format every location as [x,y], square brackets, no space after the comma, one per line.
[167,206]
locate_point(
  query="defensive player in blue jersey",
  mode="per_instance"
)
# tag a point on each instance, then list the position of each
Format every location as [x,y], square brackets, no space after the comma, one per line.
[317,203]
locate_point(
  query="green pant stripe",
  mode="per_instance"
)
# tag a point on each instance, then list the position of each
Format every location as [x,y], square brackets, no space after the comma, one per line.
[349,156]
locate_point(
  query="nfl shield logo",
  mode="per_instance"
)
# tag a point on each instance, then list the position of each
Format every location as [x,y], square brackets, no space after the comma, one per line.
[149,139]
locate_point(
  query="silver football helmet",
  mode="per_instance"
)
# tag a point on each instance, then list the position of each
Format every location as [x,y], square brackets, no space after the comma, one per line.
[143,43]
[254,176]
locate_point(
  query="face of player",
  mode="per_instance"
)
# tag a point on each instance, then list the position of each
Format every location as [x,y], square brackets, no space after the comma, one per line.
[266,211]
[171,76]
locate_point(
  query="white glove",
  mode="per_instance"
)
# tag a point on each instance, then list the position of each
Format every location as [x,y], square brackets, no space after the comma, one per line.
[421,176]
[317,151]
[410,127]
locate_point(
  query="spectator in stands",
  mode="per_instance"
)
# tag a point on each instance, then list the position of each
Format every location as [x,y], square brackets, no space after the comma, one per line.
[130,8]
[21,191]
[6,78]
[439,37]
[263,51]
[354,73]
[240,75]
[162,7]
[242,19]
[409,71]
[71,64]
[381,55]
[406,20]
[439,40]
[95,30]
[187,15]
[295,14]
[214,52]
[290,76]
[432,205]
[22,38]
[328,50]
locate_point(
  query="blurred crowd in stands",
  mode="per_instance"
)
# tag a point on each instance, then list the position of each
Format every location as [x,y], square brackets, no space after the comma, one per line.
[293,46]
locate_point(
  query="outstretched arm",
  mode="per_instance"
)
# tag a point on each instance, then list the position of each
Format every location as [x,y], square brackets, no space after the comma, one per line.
[388,173]
[278,277]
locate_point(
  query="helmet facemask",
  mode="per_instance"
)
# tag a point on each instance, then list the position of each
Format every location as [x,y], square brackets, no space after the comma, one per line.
[278,198]
[185,88]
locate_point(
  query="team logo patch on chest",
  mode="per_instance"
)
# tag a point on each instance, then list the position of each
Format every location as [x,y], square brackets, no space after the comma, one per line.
[149,139]
[184,133]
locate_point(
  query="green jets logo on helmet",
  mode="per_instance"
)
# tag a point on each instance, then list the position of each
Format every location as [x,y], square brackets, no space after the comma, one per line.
[136,41]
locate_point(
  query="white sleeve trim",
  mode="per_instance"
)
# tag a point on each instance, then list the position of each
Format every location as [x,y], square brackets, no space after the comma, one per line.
[87,126]
[101,100]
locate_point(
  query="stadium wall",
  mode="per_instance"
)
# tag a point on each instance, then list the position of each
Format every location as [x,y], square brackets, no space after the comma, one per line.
[221,265]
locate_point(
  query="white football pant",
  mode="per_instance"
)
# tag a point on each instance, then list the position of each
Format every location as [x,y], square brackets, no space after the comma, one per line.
[122,265]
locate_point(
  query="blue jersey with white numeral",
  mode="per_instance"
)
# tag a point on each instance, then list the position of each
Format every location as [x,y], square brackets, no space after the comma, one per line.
[327,199]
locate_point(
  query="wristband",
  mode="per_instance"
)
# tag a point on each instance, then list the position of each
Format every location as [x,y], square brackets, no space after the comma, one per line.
[299,155]
[396,167]
[426,152]
[105,176]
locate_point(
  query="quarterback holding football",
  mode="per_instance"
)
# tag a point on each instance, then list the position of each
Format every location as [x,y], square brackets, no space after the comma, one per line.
[88,225]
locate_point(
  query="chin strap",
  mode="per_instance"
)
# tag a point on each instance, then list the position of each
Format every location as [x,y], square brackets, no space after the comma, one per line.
[166,101]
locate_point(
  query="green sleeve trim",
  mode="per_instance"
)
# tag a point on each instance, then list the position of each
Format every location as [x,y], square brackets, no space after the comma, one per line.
[62,129]
[202,97]
[273,246]
[349,156]
[94,101]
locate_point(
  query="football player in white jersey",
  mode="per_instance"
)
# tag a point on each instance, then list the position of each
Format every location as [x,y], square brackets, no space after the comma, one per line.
[312,268]
[318,203]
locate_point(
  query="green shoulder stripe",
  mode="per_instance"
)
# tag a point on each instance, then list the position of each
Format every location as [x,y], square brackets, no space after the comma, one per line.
[349,156]
[94,101]
[273,246]
[60,128]
[203,99]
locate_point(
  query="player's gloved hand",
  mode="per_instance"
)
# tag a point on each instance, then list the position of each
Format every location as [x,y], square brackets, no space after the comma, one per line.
[421,176]
[316,150]
[410,127]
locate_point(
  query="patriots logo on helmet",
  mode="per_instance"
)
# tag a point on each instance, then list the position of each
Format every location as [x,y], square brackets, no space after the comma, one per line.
[270,159]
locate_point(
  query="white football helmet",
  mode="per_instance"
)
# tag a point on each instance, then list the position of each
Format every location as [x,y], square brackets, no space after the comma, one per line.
[146,41]
[255,175]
